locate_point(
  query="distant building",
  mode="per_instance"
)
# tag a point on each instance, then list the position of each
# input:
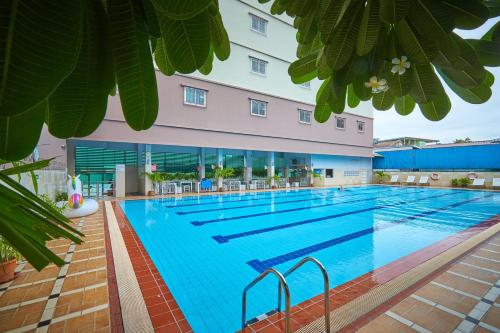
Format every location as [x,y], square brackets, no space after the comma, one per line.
[405,141]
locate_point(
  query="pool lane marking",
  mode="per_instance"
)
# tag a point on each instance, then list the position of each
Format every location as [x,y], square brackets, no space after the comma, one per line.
[262,265]
[227,238]
[250,198]
[224,219]
[273,203]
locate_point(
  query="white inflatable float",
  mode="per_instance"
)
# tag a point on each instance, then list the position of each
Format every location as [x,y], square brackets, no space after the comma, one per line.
[76,205]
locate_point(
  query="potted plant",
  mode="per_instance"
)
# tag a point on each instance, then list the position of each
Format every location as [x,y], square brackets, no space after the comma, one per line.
[464,182]
[8,261]
[455,182]
[156,178]
[273,180]
[381,175]
[220,174]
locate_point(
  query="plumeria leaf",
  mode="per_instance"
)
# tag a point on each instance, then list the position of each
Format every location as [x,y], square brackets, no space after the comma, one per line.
[352,100]
[436,109]
[404,105]
[331,18]
[303,70]
[322,111]
[476,95]
[392,11]
[415,47]
[488,52]
[425,83]
[369,28]
[467,14]
[181,9]
[161,58]
[220,39]
[383,100]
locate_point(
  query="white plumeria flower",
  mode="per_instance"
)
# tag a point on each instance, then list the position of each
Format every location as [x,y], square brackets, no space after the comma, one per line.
[377,85]
[400,65]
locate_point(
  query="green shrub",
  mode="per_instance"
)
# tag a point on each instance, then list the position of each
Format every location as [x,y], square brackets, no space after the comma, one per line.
[7,252]
[455,182]
[61,196]
[464,181]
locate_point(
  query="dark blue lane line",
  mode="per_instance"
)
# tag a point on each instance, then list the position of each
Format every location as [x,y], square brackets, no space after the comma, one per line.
[273,203]
[262,265]
[227,238]
[253,198]
[224,219]
[307,193]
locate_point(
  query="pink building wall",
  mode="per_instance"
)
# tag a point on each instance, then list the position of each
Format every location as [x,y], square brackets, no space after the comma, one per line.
[226,122]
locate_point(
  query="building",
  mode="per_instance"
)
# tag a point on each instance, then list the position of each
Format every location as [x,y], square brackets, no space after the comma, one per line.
[405,141]
[247,114]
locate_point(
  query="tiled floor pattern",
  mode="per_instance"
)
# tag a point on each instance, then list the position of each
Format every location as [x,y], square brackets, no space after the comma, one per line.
[166,316]
[463,299]
[71,298]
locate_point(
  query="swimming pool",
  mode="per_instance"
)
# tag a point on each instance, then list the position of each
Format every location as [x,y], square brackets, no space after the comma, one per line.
[208,248]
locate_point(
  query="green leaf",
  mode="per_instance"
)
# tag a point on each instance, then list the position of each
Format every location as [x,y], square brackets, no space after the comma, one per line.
[476,95]
[493,7]
[360,89]
[303,70]
[493,34]
[392,11]
[331,18]
[151,20]
[187,42]
[467,14]
[39,46]
[26,167]
[369,28]
[383,100]
[404,105]
[337,96]
[352,100]
[339,50]
[473,73]
[417,48]
[181,9]
[436,109]
[161,58]
[207,66]
[133,64]
[220,39]
[322,109]
[78,105]
[425,84]
[308,28]
[19,134]
[488,52]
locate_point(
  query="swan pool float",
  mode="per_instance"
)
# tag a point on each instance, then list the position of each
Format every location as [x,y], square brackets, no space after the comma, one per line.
[76,206]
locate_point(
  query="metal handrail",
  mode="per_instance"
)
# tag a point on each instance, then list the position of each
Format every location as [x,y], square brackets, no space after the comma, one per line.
[282,283]
[326,284]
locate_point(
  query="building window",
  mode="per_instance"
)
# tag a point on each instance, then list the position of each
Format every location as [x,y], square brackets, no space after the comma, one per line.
[305,116]
[195,96]
[361,126]
[340,122]
[306,85]
[329,173]
[258,24]
[258,108]
[349,173]
[258,66]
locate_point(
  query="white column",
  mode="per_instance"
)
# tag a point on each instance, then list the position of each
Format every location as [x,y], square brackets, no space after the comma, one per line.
[201,163]
[270,166]
[248,165]
[220,164]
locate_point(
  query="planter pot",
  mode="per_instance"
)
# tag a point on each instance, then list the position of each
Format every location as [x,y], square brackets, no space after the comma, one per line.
[151,193]
[7,270]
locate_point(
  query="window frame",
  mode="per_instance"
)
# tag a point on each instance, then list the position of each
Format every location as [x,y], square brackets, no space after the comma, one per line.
[358,122]
[251,108]
[204,105]
[260,61]
[337,123]
[261,20]
[300,111]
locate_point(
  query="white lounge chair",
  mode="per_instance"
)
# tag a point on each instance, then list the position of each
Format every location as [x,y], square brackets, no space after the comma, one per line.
[495,182]
[410,180]
[424,180]
[478,182]
[394,179]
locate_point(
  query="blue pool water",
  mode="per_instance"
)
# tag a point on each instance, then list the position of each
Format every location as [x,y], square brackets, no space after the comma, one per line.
[208,248]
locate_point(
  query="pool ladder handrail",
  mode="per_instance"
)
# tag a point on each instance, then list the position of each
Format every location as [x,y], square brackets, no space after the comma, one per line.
[283,284]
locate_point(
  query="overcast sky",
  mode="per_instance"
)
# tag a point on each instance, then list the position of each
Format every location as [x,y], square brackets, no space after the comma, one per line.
[477,121]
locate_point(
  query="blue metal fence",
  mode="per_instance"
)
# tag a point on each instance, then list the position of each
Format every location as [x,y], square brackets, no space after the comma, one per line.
[477,157]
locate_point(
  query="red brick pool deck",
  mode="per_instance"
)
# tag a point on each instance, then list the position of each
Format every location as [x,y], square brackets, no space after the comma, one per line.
[83,296]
